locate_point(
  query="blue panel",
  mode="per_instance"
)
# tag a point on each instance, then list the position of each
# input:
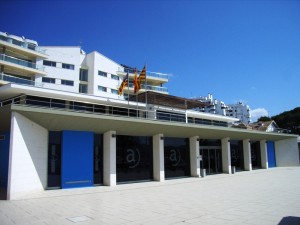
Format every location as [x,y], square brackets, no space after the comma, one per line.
[4,158]
[271,154]
[77,159]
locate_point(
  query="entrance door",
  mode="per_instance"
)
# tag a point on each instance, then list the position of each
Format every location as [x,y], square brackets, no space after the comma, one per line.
[211,159]
[54,160]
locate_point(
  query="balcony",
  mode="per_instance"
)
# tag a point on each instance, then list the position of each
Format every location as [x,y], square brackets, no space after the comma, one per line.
[22,64]
[4,78]
[19,42]
[153,78]
[148,88]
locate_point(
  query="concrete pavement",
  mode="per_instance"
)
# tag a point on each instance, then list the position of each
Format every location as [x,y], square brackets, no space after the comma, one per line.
[260,197]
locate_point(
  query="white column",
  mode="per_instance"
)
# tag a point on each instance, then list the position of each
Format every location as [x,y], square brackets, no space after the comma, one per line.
[263,154]
[226,159]
[247,154]
[109,158]
[194,156]
[158,158]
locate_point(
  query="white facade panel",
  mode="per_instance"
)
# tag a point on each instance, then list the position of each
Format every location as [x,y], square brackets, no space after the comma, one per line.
[286,152]
[28,157]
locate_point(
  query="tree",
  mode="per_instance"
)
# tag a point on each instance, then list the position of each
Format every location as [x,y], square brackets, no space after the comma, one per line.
[289,120]
[264,119]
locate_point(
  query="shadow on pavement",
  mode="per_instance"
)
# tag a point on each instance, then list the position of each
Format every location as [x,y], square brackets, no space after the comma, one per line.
[290,220]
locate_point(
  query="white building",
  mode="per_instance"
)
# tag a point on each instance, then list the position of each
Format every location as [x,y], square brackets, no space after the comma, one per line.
[63,126]
[239,110]
[71,69]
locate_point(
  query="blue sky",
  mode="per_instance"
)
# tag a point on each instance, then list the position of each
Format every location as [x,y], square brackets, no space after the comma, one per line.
[235,50]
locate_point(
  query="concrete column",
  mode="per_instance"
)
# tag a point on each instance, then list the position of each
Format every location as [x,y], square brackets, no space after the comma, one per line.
[109,158]
[247,154]
[158,158]
[226,159]
[194,156]
[263,154]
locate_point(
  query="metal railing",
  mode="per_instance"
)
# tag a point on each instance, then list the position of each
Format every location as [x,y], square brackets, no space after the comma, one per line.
[150,87]
[21,62]
[18,80]
[148,73]
[280,130]
[24,44]
[110,110]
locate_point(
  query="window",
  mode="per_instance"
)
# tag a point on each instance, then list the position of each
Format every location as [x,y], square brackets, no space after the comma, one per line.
[68,66]
[101,73]
[115,77]
[48,80]
[100,88]
[67,82]
[114,91]
[49,63]
[82,88]
[83,75]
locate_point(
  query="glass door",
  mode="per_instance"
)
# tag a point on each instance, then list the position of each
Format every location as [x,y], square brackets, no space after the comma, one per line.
[54,166]
[54,160]
[211,159]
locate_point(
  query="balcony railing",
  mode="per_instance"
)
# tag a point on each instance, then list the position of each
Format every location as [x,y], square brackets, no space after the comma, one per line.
[148,73]
[24,44]
[151,88]
[108,110]
[20,62]
[18,80]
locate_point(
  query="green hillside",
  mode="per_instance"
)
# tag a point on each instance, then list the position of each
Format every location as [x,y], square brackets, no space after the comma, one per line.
[289,120]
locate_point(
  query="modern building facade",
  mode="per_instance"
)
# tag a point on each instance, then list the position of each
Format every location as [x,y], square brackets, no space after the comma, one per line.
[63,126]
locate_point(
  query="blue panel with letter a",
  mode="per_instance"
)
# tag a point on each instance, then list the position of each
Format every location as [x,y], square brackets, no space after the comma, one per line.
[271,154]
[77,159]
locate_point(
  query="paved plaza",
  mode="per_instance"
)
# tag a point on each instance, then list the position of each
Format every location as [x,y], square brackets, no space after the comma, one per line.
[260,197]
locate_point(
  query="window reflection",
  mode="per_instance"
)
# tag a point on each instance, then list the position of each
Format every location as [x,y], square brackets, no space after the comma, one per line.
[134,158]
[177,157]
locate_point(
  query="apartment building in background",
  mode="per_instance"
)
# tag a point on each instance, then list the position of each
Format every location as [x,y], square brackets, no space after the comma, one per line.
[239,110]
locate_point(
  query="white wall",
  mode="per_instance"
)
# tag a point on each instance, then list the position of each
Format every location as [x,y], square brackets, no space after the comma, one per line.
[28,157]
[96,61]
[286,152]
[69,55]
